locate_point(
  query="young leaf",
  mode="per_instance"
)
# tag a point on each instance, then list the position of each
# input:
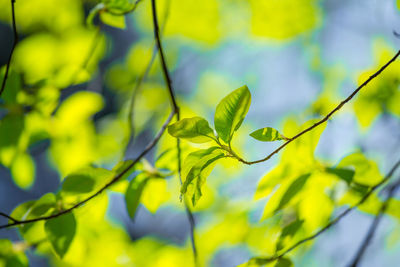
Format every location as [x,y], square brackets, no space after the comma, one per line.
[284,262]
[292,191]
[23,170]
[134,193]
[231,111]
[194,129]
[85,180]
[198,165]
[267,134]
[60,232]
[288,231]
[42,206]
[345,174]
[116,21]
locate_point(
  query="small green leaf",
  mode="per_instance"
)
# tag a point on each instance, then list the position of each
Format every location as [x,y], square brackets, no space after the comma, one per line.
[343,173]
[134,193]
[42,206]
[194,129]
[117,21]
[85,180]
[92,14]
[20,211]
[198,165]
[231,112]
[60,232]
[267,134]
[288,231]
[23,170]
[284,262]
[347,175]
[292,190]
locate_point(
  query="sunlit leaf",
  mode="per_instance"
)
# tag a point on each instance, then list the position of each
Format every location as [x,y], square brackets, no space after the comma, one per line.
[60,232]
[43,206]
[85,180]
[231,112]
[113,20]
[366,171]
[288,231]
[194,129]
[284,262]
[267,134]
[134,193]
[23,170]
[292,190]
[198,165]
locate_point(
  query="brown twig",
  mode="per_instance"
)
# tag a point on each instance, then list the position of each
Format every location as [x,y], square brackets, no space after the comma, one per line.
[3,84]
[337,108]
[113,181]
[264,260]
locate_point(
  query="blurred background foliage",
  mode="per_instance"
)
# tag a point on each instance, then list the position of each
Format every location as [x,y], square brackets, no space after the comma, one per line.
[72,111]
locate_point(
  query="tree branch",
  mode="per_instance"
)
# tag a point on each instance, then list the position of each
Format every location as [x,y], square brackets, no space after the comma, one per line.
[8,217]
[113,181]
[3,84]
[138,85]
[264,260]
[176,108]
[337,108]
[374,225]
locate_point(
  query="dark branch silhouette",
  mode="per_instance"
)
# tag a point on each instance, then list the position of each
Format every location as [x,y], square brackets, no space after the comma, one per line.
[264,260]
[3,84]
[176,109]
[371,231]
[138,84]
[8,217]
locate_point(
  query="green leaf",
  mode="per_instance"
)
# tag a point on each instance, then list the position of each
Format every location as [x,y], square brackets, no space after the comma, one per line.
[288,231]
[284,262]
[42,206]
[366,171]
[198,165]
[92,14]
[347,175]
[267,134]
[117,21]
[292,190]
[21,210]
[23,170]
[85,180]
[231,111]
[134,193]
[194,129]
[60,232]
[343,173]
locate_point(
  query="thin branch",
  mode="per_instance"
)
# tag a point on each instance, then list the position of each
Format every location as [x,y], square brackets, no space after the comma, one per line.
[138,85]
[176,108]
[8,217]
[3,84]
[162,57]
[264,260]
[113,181]
[337,108]
[374,225]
